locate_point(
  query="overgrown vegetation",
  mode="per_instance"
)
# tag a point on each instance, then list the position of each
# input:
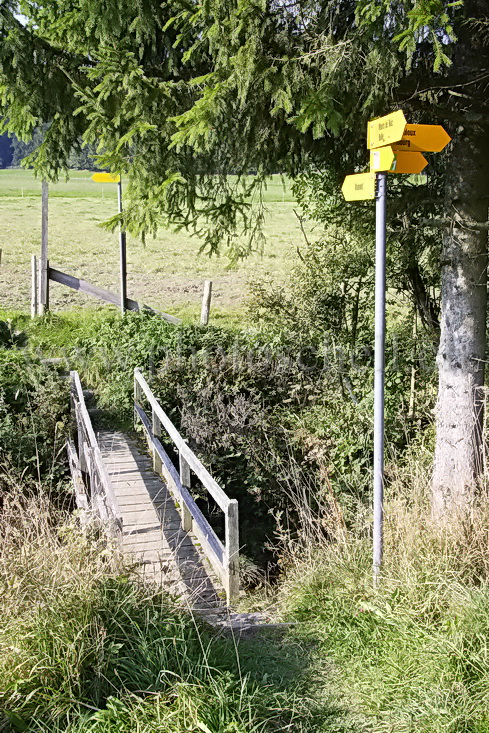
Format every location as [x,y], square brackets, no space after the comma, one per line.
[34,409]
[84,647]
[412,653]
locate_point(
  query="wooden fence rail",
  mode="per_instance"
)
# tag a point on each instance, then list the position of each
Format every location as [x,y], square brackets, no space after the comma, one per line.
[88,463]
[223,557]
[108,296]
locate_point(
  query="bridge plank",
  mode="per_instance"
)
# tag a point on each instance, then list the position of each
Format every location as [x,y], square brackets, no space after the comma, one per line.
[152,534]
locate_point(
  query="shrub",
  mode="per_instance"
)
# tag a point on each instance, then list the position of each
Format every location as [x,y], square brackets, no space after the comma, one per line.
[34,416]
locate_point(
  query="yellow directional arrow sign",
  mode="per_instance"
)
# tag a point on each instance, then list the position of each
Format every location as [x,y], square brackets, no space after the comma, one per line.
[105,178]
[409,163]
[382,159]
[423,138]
[359,187]
[385,130]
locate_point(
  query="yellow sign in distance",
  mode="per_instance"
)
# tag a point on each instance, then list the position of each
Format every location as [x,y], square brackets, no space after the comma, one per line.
[423,138]
[359,187]
[409,163]
[382,159]
[385,130]
[105,178]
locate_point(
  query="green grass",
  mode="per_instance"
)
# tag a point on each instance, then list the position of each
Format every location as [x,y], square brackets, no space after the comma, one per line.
[167,273]
[413,654]
[16,182]
[85,647]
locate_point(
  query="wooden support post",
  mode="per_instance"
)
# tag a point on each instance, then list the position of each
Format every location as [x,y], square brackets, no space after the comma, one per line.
[231,559]
[412,389]
[122,248]
[157,466]
[0,256]
[44,264]
[137,399]
[33,286]
[206,303]
[185,480]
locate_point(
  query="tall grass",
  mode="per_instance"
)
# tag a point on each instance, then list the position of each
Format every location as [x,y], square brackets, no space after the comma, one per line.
[413,655]
[83,647]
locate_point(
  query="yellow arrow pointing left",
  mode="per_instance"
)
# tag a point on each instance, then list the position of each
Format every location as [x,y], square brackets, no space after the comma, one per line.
[359,187]
[105,178]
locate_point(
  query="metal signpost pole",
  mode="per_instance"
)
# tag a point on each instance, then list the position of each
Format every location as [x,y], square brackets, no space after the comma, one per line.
[123,264]
[395,147]
[380,240]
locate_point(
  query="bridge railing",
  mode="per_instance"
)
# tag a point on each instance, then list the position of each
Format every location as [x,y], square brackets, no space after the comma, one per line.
[223,557]
[87,464]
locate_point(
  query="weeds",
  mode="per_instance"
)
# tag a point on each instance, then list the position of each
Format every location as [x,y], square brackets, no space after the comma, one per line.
[85,648]
[414,654]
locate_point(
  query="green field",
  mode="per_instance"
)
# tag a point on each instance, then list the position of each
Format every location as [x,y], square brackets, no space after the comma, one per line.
[166,273]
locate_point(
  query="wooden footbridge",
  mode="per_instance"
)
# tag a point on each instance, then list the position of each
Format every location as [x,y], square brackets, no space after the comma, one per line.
[146,504]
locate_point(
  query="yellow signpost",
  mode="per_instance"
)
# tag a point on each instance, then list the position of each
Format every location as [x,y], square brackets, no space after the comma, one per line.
[385,130]
[394,147]
[423,139]
[105,178]
[409,163]
[382,159]
[359,187]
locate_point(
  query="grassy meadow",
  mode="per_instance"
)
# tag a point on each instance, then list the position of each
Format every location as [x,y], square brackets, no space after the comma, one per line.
[166,273]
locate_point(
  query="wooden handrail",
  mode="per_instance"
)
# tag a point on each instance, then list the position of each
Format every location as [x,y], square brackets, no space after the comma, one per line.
[197,467]
[223,557]
[91,456]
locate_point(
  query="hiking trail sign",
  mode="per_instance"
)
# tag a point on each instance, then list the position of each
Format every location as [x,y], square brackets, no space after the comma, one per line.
[105,178]
[359,186]
[423,139]
[395,147]
[385,130]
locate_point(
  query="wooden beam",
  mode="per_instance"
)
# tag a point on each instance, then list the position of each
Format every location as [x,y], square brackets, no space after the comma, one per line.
[83,286]
[108,296]
[33,286]
[231,562]
[81,497]
[44,265]
[122,253]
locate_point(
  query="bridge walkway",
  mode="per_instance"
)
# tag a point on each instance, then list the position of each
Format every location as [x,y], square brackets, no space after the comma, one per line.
[152,532]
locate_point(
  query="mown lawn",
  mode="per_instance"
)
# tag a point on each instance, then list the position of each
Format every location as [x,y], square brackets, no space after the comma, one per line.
[166,273]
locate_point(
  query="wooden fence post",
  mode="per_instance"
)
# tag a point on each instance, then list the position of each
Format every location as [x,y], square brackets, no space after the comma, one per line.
[231,561]
[33,286]
[206,303]
[44,264]
[185,480]
[122,253]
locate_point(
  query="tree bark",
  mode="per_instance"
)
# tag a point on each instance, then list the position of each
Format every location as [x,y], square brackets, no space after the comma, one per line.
[461,353]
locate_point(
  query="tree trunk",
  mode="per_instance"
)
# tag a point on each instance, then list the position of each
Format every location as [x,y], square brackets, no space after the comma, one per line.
[461,353]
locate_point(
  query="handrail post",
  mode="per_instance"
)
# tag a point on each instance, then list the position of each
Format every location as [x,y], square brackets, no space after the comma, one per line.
[185,480]
[231,558]
[156,427]
[137,395]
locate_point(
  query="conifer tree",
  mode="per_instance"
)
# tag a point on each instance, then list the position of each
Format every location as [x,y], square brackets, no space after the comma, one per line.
[180,94]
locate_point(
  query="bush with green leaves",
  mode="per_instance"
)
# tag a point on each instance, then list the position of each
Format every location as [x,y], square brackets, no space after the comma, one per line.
[254,404]
[34,417]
